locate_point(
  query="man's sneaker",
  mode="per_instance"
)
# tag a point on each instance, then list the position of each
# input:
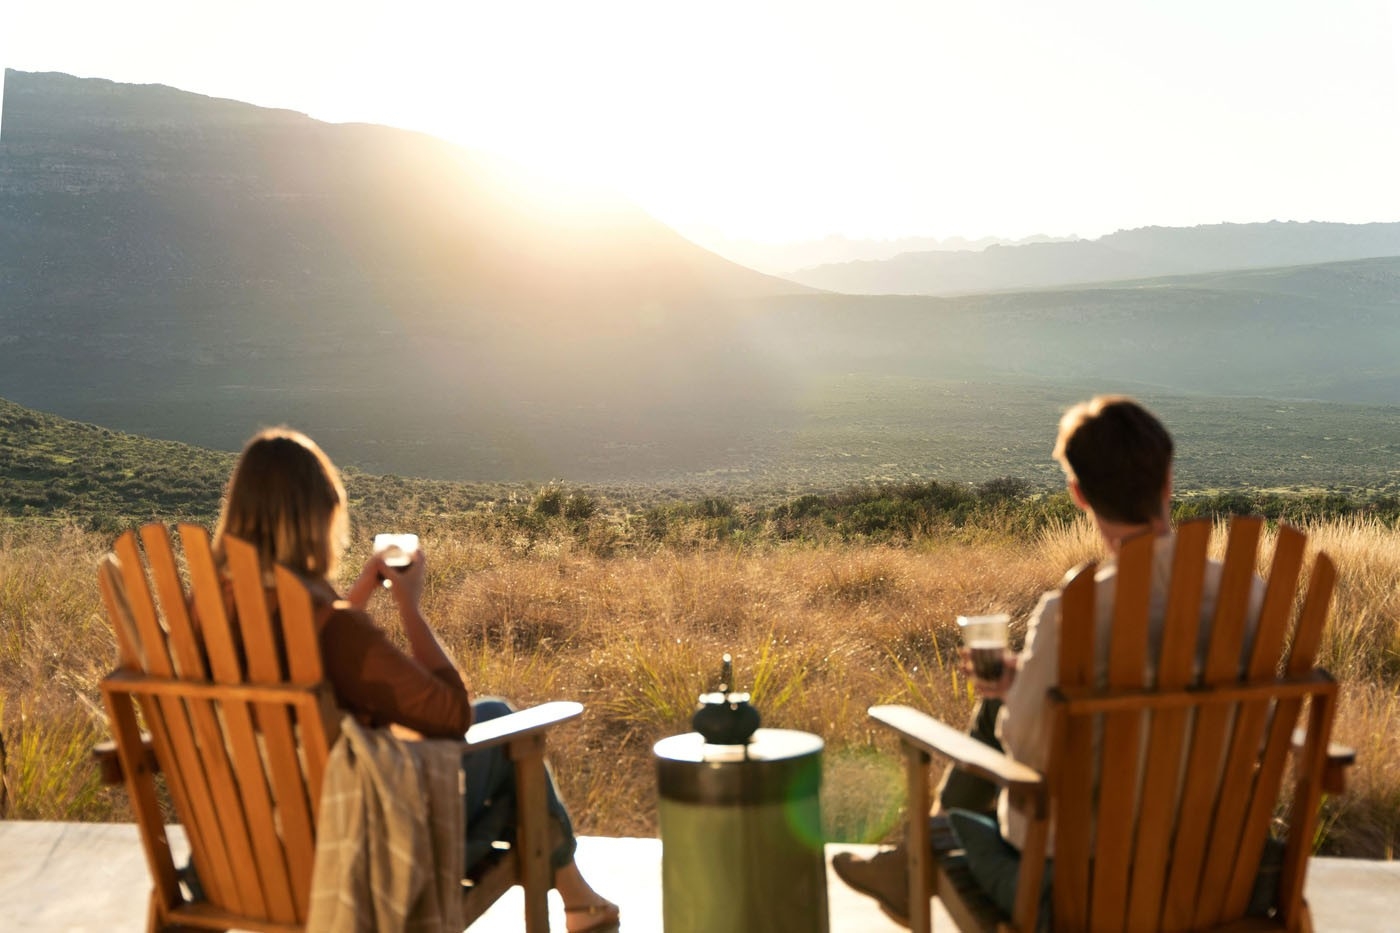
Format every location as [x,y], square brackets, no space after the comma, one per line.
[883,876]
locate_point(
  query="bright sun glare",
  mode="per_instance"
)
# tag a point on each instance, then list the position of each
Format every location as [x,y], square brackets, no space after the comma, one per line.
[785,120]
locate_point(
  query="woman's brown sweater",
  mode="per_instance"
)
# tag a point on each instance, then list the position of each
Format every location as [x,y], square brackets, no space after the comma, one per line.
[379,684]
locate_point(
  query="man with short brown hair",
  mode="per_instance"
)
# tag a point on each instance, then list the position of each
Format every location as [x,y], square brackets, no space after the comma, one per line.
[1117,458]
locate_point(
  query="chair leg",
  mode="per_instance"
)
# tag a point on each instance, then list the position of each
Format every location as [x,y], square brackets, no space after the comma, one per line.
[1305,924]
[532,831]
[156,924]
[916,771]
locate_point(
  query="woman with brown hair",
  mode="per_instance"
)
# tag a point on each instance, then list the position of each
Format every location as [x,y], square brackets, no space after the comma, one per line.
[285,498]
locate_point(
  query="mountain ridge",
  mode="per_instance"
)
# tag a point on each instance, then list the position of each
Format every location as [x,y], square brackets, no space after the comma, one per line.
[1126,254]
[78,136]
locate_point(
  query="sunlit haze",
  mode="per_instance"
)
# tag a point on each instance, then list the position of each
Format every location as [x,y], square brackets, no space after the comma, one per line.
[781,121]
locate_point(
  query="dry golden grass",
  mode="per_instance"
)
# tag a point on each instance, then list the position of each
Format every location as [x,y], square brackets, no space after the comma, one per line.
[819,633]
[55,646]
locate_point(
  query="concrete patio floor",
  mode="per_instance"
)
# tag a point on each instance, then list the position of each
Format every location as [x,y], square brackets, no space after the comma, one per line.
[62,877]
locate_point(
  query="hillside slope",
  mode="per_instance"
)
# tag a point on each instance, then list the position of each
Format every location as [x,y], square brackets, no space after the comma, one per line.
[52,468]
[186,267]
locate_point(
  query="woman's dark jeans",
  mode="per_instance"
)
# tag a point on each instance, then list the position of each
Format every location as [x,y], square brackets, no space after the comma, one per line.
[490,799]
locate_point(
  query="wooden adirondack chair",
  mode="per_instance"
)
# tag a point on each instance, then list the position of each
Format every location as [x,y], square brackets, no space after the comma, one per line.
[1208,750]
[241,722]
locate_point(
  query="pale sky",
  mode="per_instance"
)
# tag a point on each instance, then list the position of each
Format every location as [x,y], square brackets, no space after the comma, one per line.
[793,120]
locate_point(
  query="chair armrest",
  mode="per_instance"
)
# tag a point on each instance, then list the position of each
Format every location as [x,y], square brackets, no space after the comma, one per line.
[109,763]
[522,724]
[1334,771]
[923,736]
[499,731]
[924,732]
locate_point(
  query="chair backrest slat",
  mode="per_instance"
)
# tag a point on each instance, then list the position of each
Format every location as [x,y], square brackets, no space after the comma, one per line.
[1277,609]
[1075,773]
[109,577]
[239,892]
[1303,814]
[320,726]
[184,642]
[1176,663]
[1167,732]
[155,656]
[1307,795]
[208,596]
[1119,756]
[1237,580]
[261,640]
[299,630]
[1303,652]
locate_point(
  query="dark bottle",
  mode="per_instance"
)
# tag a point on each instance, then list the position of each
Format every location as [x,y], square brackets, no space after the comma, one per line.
[725,717]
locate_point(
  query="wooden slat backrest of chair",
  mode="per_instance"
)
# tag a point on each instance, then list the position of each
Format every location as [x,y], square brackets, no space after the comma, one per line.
[1073,768]
[243,765]
[109,578]
[242,721]
[1167,731]
[1177,807]
[1308,788]
[1119,757]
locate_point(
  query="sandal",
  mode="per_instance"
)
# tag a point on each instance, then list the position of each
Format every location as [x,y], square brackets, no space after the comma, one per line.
[608,917]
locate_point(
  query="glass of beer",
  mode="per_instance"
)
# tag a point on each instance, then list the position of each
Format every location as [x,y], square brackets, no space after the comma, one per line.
[985,639]
[398,550]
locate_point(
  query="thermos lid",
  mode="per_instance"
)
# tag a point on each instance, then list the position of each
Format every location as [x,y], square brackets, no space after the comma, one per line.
[776,765]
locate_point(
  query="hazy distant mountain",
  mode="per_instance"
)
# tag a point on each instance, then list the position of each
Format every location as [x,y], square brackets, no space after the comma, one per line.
[1127,254]
[787,259]
[1328,331]
[188,267]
